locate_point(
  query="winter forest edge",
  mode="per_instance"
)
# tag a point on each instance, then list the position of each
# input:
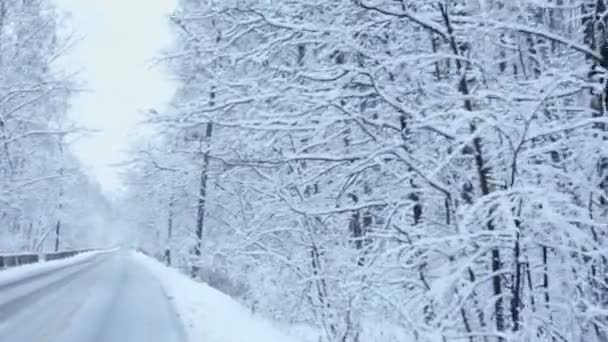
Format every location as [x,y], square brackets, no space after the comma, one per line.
[368,170]
[47,201]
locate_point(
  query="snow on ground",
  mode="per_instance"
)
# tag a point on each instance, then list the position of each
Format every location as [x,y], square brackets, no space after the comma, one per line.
[209,315]
[14,274]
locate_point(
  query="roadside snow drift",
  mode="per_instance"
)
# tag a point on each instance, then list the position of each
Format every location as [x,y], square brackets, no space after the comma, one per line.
[15,274]
[209,315]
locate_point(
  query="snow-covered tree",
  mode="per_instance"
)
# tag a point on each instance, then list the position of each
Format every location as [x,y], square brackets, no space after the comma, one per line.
[432,170]
[42,184]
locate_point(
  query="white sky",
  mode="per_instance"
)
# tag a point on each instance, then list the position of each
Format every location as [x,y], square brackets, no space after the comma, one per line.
[120,39]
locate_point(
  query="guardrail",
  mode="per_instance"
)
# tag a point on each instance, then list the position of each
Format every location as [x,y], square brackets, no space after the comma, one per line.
[12,260]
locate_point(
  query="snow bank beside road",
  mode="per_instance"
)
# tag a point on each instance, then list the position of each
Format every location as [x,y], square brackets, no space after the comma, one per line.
[209,315]
[15,274]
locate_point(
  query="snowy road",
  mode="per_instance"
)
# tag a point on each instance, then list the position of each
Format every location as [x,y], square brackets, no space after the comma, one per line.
[108,298]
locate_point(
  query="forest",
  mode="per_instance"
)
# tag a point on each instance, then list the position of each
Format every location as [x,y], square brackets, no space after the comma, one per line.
[363,170]
[47,200]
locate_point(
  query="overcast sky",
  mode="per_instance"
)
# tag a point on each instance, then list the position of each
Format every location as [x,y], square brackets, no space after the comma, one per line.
[120,39]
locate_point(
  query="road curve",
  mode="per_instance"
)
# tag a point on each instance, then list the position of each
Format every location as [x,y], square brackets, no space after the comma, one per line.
[112,299]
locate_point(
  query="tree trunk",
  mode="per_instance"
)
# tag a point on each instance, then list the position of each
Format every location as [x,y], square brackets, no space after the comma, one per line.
[481,168]
[169,234]
[202,197]
[57,233]
[516,289]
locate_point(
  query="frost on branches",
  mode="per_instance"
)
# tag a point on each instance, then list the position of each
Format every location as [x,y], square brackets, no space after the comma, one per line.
[388,170]
[42,185]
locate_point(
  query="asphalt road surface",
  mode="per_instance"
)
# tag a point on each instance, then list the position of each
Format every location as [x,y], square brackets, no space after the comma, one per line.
[109,298]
